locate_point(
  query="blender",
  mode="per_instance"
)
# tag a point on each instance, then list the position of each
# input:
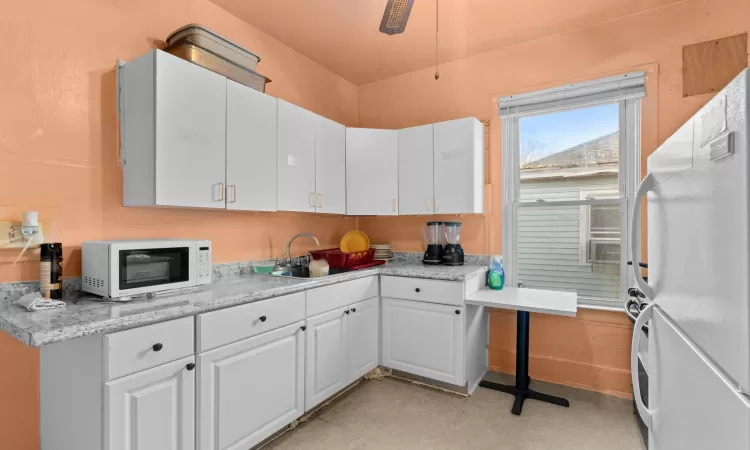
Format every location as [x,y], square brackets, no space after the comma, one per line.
[453,254]
[433,237]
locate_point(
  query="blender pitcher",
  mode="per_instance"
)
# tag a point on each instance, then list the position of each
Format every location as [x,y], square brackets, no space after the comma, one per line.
[433,237]
[453,254]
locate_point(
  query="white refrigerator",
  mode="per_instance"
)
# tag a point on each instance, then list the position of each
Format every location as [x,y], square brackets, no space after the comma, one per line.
[698,197]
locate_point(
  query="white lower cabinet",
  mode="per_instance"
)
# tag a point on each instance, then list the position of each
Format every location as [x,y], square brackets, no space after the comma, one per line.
[153,409]
[250,389]
[362,338]
[342,346]
[325,372]
[425,339]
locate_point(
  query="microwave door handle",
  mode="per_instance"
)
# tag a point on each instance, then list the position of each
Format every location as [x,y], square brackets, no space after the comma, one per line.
[635,228]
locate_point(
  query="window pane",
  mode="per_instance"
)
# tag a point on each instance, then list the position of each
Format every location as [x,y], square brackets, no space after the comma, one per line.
[570,145]
[558,250]
[605,217]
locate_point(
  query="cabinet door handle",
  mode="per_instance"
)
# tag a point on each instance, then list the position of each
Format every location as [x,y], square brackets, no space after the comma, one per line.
[157,347]
[320,200]
[437,204]
[221,192]
[262,318]
[458,311]
[312,200]
[394,204]
[303,327]
[347,311]
[417,290]
[234,192]
[354,310]
[428,203]
[190,366]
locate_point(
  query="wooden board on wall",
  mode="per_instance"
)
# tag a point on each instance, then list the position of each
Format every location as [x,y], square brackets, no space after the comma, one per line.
[709,66]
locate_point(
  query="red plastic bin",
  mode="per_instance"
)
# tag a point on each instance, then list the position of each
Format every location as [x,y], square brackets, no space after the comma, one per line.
[337,258]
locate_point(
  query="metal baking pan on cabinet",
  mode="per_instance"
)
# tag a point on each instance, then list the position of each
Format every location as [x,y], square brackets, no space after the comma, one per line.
[215,63]
[207,39]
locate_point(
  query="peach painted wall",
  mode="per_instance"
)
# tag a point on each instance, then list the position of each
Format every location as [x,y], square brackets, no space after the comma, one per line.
[58,149]
[567,351]
[58,126]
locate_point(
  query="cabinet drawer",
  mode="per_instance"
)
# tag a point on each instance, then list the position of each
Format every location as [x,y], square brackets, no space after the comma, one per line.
[229,325]
[335,296]
[141,348]
[433,291]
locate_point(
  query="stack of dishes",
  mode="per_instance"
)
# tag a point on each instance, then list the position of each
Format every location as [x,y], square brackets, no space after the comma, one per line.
[383,252]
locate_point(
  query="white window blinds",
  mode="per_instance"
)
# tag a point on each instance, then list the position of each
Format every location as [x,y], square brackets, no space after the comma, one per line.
[577,95]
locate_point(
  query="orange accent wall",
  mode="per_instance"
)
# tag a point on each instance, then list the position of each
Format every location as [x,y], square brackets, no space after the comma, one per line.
[58,149]
[59,134]
[589,351]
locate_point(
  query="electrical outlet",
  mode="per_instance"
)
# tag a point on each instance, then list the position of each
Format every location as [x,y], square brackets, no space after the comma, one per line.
[11,236]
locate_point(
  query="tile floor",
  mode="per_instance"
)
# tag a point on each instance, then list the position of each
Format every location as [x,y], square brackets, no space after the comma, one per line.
[394,414]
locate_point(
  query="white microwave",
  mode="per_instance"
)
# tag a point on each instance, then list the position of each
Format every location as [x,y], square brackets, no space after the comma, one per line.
[123,269]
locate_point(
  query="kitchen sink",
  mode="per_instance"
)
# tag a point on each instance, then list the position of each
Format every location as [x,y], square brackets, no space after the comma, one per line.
[304,272]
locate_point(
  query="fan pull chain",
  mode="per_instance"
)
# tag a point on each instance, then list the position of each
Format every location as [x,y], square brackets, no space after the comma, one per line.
[437,8]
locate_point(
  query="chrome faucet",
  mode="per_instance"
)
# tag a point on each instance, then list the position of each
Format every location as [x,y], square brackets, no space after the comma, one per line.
[289,245]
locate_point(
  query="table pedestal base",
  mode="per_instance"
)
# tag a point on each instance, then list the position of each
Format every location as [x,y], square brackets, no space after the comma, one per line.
[523,394]
[521,389]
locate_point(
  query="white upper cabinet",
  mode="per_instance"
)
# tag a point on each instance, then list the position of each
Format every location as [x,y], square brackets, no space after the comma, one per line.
[251,149]
[415,174]
[296,158]
[330,166]
[459,166]
[173,133]
[371,172]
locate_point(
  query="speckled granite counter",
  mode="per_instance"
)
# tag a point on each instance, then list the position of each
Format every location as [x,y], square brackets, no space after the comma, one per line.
[86,314]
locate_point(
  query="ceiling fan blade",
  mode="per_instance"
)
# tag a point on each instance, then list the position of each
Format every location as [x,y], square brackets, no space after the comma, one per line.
[395,16]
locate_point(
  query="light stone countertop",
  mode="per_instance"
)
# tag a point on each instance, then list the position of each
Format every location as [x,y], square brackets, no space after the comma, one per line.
[88,314]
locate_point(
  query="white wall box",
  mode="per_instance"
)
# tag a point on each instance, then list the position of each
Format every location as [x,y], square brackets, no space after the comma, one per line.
[459,166]
[251,149]
[415,171]
[330,166]
[251,389]
[173,119]
[371,172]
[296,158]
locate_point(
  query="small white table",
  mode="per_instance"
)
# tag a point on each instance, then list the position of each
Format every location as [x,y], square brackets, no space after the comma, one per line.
[525,301]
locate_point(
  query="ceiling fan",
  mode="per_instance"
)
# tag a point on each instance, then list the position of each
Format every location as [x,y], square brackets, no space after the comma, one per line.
[395,16]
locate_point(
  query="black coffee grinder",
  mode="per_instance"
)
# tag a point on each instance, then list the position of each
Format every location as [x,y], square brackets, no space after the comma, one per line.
[433,236]
[453,254]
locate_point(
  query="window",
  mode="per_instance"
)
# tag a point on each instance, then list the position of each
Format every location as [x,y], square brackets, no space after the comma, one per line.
[570,165]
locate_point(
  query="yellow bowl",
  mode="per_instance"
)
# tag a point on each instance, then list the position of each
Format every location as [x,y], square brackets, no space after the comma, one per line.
[354,241]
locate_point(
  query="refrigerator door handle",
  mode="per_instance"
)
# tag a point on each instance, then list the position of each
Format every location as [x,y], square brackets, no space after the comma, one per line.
[643,317]
[635,228]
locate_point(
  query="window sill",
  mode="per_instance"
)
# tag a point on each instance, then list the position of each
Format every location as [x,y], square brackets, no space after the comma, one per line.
[601,308]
